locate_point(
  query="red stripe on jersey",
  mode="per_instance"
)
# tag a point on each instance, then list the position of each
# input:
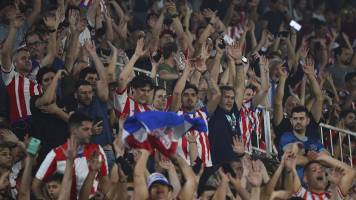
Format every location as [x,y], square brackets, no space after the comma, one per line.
[126,109]
[14,112]
[185,147]
[136,107]
[51,169]
[32,89]
[20,91]
[202,147]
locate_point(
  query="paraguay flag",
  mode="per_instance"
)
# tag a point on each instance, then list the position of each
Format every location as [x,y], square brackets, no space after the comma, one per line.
[160,130]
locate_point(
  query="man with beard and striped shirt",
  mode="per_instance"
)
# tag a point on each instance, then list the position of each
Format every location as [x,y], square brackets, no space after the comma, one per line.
[194,144]
[18,86]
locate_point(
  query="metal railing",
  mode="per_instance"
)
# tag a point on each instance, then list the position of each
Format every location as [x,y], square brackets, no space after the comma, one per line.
[264,122]
[328,133]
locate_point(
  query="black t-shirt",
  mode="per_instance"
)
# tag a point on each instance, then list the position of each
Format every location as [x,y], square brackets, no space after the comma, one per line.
[222,127]
[50,129]
[285,126]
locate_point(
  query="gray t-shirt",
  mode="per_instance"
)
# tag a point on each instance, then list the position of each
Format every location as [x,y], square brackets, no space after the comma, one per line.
[338,74]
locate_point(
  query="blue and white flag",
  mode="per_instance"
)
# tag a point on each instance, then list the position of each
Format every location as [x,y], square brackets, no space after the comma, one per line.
[160,130]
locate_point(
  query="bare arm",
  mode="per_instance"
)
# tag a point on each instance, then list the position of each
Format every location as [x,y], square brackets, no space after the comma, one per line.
[316,109]
[190,185]
[348,172]
[278,99]
[101,84]
[36,10]
[223,187]
[140,187]
[128,69]
[260,97]
[25,186]
[49,95]
[178,89]
[214,91]
[9,43]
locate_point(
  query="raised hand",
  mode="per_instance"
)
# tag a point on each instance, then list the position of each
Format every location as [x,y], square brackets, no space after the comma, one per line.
[94,161]
[234,51]
[166,164]
[8,136]
[308,68]
[118,147]
[289,160]
[73,18]
[191,137]
[97,127]
[283,73]
[140,51]
[52,22]
[90,47]
[72,149]
[264,62]
[254,176]
[223,177]
[238,145]
[335,175]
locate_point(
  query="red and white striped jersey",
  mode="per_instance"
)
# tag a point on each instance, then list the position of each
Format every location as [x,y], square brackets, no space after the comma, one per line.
[125,106]
[250,123]
[19,89]
[308,195]
[202,139]
[55,161]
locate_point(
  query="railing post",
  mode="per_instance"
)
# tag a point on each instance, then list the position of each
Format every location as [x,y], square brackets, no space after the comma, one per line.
[267,130]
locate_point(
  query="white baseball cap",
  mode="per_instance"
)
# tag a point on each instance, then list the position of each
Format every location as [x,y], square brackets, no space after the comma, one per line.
[157,178]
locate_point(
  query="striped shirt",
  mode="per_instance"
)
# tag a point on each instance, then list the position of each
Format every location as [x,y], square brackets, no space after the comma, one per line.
[308,195]
[19,89]
[250,123]
[126,106]
[202,139]
[55,161]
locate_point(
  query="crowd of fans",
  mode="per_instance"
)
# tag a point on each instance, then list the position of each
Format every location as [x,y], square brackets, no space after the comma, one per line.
[69,80]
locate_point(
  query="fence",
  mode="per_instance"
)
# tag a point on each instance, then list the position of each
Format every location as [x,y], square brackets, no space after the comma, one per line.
[342,148]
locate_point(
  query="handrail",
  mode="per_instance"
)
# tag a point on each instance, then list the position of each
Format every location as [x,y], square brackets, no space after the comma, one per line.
[337,129]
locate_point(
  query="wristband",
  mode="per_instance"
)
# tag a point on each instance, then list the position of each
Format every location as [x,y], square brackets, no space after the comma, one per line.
[195,142]
[52,30]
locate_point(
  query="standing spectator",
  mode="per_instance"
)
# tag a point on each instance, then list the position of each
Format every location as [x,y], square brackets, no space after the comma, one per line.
[342,66]
[185,97]
[126,105]
[168,70]
[80,126]
[18,86]
[49,120]
[308,144]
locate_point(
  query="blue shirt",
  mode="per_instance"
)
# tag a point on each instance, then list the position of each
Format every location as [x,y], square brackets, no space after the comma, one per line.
[98,109]
[309,144]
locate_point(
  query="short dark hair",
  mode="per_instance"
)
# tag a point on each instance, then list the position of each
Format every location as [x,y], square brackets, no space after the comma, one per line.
[190,86]
[226,88]
[349,76]
[141,81]
[168,49]
[295,198]
[76,119]
[156,88]
[306,166]
[84,72]
[80,83]
[42,71]
[344,113]
[299,109]
[56,177]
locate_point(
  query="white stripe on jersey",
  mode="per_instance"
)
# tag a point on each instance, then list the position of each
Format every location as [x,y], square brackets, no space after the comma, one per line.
[17,96]
[27,95]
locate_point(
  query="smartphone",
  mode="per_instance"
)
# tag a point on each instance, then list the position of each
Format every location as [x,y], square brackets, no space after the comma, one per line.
[283,34]
[295,25]
[85,4]
[228,40]
[244,59]
[33,146]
